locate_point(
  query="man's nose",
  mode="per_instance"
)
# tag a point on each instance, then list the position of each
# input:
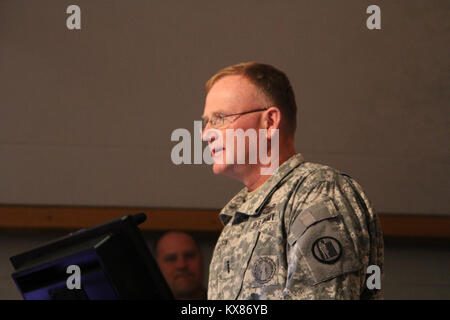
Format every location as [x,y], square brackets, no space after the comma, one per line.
[181,263]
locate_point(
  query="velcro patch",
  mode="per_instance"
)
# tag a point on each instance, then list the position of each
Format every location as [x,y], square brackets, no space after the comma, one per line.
[328,250]
[318,212]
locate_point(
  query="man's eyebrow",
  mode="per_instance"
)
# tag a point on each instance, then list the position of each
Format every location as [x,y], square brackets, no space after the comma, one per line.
[170,256]
[207,118]
[213,114]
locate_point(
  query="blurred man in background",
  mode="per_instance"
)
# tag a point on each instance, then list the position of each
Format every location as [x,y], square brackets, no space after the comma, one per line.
[181,263]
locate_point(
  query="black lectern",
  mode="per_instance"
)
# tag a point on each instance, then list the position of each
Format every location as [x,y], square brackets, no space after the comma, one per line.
[107,262]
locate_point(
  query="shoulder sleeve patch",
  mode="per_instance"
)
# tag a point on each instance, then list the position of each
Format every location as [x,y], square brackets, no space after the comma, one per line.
[324,244]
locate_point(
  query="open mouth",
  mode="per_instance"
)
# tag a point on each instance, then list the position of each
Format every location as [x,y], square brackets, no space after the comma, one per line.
[217,150]
[184,276]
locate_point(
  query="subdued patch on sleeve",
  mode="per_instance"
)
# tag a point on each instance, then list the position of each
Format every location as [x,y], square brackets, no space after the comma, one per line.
[323,242]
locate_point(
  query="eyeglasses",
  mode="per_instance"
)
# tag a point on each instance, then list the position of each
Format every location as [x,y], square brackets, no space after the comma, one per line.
[218,119]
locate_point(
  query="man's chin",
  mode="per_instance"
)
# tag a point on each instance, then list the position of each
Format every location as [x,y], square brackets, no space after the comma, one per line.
[228,170]
[221,168]
[185,292]
[185,285]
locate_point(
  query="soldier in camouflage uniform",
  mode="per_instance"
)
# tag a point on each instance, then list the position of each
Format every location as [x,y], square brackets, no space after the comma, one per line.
[306,232]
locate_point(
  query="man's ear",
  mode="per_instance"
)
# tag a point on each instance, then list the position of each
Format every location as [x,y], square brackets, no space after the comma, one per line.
[272,120]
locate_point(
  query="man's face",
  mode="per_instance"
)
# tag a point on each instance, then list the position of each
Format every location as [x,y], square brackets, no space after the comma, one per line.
[229,95]
[181,264]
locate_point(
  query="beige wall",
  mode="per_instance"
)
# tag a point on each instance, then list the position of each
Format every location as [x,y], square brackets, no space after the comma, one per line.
[86,116]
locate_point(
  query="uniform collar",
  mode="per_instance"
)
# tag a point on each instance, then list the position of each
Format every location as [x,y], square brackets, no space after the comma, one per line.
[239,207]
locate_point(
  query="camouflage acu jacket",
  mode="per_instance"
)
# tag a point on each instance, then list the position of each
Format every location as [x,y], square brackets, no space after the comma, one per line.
[309,232]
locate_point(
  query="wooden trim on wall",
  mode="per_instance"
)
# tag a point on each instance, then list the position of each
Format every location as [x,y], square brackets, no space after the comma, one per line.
[424,226]
[68,217]
[55,217]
